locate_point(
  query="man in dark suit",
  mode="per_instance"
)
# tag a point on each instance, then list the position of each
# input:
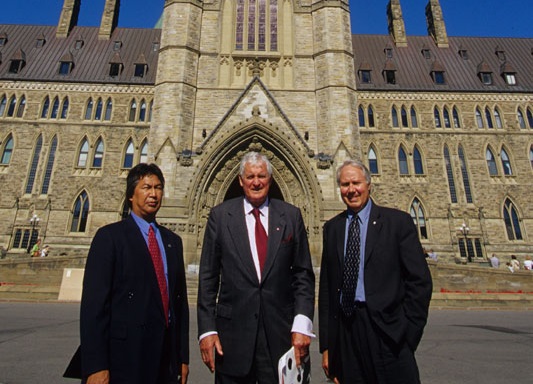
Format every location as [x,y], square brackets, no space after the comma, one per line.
[134,321]
[253,307]
[375,288]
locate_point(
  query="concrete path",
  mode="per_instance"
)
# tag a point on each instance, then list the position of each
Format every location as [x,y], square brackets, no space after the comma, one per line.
[463,347]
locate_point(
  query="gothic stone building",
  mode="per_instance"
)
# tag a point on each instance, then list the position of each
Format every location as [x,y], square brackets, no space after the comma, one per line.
[445,124]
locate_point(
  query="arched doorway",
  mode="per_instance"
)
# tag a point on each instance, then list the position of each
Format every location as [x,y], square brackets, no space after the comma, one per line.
[235,190]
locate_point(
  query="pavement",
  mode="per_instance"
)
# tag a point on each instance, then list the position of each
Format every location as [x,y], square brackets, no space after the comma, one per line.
[459,346]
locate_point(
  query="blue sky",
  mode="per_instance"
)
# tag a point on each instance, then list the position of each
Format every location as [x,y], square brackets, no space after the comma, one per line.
[504,18]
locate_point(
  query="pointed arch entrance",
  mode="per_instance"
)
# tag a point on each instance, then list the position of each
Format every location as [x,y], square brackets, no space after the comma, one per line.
[294,179]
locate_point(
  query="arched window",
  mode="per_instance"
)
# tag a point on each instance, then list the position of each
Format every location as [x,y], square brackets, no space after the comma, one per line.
[530,118]
[21,107]
[7,150]
[11,106]
[417,161]
[128,155]
[506,163]
[512,223]
[144,152]
[3,102]
[64,108]
[394,113]
[521,121]
[370,116]
[34,164]
[498,118]
[49,167]
[142,112]
[98,154]
[99,107]
[55,108]
[479,118]
[150,108]
[133,110]
[414,119]
[464,173]
[436,113]
[83,153]
[89,109]
[256,25]
[531,156]
[488,117]
[447,122]
[46,108]
[449,174]
[361,113]
[372,161]
[80,213]
[402,161]
[491,163]
[405,123]
[419,218]
[108,109]
[456,121]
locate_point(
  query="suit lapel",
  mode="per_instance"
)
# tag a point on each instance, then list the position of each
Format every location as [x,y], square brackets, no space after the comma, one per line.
[340,231]
[276,229]
[374,227]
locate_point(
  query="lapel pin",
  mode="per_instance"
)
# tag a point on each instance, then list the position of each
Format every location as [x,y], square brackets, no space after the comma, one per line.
[374,223]
[277,228]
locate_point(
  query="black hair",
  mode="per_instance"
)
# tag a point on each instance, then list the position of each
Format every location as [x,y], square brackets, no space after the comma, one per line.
[137,173]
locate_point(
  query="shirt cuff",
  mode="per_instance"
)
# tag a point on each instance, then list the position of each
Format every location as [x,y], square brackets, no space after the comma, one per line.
[303,324]
[204,335]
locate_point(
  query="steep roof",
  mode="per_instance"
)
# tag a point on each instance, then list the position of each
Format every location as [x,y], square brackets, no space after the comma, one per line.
[413,69]
[90,56]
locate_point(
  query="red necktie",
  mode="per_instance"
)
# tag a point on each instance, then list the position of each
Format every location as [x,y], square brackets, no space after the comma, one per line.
[261,239]
[153,247]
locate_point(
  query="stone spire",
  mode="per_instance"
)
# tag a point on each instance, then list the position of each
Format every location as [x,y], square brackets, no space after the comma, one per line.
[109,19]
[68,18]
[435,22]
[396,23]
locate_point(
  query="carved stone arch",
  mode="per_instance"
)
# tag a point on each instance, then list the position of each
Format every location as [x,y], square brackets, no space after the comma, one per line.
[293,174]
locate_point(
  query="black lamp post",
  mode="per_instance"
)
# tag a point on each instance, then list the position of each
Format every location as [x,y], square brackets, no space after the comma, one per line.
[34,221]
[464,230]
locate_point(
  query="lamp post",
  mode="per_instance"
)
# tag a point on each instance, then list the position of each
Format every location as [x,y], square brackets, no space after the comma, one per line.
[34,221]
[464,230]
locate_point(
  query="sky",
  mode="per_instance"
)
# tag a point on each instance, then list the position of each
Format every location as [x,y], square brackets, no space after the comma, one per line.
[490,18]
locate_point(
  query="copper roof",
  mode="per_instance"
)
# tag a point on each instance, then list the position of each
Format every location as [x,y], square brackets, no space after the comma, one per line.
[413,70]
[92,60]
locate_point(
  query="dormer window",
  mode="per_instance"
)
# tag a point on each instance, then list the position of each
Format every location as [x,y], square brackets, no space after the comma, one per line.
[155,46]
[390,76]
[437,73]
[426,53]
[16,66]
[509,74]
[3,39]
[500,53]
[486,78]
[366,76]
[117,45]
[78,45]
[510,78]
[66,63]
[40,42]
[464,54]
[114,69]
[388,53]
[140,70]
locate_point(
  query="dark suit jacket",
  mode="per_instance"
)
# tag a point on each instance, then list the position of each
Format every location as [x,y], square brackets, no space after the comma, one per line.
[397,279]
[230,297]
[122,323]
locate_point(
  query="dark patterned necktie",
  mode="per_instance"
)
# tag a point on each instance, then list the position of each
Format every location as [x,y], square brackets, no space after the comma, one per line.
[351,267]
[261,239]
[155,253]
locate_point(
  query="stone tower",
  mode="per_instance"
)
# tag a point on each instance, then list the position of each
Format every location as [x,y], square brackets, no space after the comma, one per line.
[435,23]
[396,23]
[69,17]
[109,19]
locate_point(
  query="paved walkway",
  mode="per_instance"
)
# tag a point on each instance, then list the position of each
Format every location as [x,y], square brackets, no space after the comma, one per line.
[459,346]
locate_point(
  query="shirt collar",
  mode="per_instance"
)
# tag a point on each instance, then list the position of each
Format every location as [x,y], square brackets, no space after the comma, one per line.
[363,214]
[143,224]
[248,207]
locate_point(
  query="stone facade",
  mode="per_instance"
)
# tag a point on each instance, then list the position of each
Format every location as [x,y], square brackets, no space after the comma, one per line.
[297,101]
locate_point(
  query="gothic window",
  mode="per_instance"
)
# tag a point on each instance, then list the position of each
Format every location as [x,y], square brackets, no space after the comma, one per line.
[417,161]
[361,113]
[512,222]
[3,103]
[150,108]
[370,116]
[405,122]
[128,155]
[34,164]
[11,106]
[98,154]
[449,174]
[498,118]
[80,213]
[142,112]
[479,119]
[414,119]
[46,108]
[464,174]
[64,108]
[506,163]
[144,152]
[372,161]
[402,161]
[256,25]
[21,107]
[520,115]
[491,163]
[530,118]
[7,150]
[456,121]
[436,113]
[83,153]
[99,106]
[419,218]
[108,109]
[55,108]
[133,110]
[488,117]
[89,109]
[446,114]
[49,167]
[394,113]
